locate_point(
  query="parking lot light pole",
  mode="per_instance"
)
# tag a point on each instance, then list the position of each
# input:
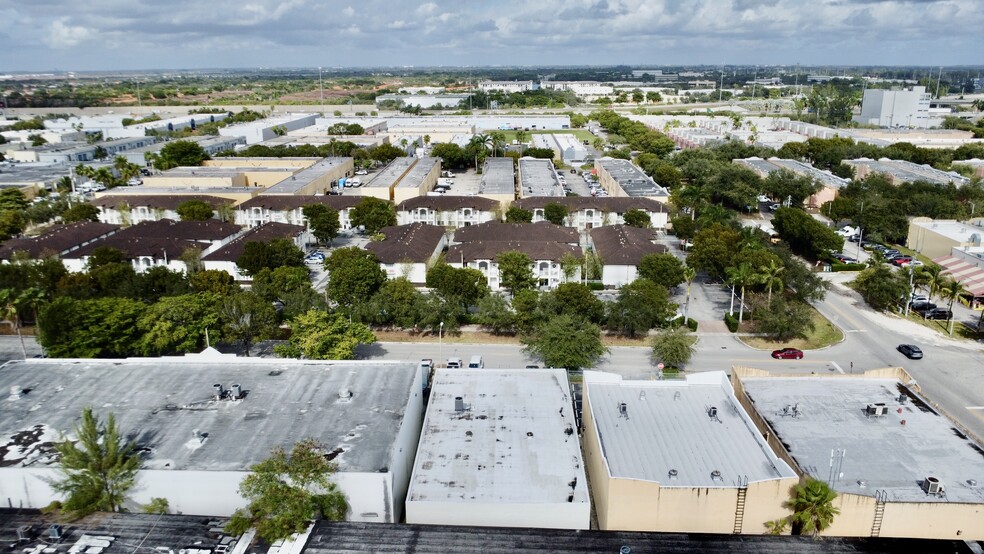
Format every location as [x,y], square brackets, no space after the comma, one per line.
[912,290]
[860,230]
[440,342]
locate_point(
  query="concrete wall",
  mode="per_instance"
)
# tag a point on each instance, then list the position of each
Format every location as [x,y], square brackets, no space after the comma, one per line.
[930,243]
[825,194]
[618,275]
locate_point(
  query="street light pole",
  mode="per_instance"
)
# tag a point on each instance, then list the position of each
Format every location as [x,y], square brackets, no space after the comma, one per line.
[860,230]
[440,342]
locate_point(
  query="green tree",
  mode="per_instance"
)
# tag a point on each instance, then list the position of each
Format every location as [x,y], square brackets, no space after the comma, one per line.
[279,252]
[354,276]
[573,299]
[80,212]
[215,281]
[673,347]
[464,285]
[515,214]
[157,505]
[813,507]
[663,269]
[786,185]
[496,315]
[373,214]
[98,469]
[515,271]
[8,307]
[195,210]
[784,320]
[555,213]
[637,218]
[246,318]
[179,153]
[110,327]
[951,291]
[321,335]
[640,306]
[689,274]
[804,234]
[287,491]
[714,250]
[771,276]
[177,324]
[565,341]
[881,287]
[323,222]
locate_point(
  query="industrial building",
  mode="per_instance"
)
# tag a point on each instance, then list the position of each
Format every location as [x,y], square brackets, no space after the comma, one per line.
[538,177]
[498,181]
[507,86]
[937,237]
[896,108]
[499,448]
[424,101]
[401,179]
[258,131]
[679,456]
[899,467]
[901,171]
[210,144]
[623,178]
[830,183]
[201,421]
[566,147]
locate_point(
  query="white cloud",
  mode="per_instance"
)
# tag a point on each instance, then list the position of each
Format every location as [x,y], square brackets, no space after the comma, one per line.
[349,11]
[427,8]
[62,35]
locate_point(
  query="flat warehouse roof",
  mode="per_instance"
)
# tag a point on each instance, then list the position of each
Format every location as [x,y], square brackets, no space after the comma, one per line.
[879,452]
[670,426]
[498,177]
[418,172]
[304,177]
[391,174]
[511,439]
[631,178]
[538,178]
[169,408]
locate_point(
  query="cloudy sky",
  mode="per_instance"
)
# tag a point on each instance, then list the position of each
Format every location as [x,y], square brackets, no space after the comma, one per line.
[150,34]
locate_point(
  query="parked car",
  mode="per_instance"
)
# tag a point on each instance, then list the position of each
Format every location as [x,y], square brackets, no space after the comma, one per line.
[774,207]
[913,263]
[787,354]
[919,298]
[315,258]
[901,260]
[922,306]
[938,313]
[362,172]
[910,351]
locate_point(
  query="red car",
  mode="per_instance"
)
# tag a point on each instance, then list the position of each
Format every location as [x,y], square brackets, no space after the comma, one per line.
[787,354]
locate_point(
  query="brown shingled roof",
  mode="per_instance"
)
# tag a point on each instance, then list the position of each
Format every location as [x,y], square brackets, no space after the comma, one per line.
[279,203]
[482,250]
[446,203]
[624,245]
[263,233]
[415,242]
[151,238]
[60,239]
[612,204]
[157,201]
[516,232]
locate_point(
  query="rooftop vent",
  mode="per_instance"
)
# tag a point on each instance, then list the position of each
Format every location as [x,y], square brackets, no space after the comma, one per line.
[218,391]
[673,474]
[15,392]
[932,485]
[716,476]
[642,395]
[459,404]
[237,391]
[712,412]
[903,398]
[623,410]
[344,395]
[55,532]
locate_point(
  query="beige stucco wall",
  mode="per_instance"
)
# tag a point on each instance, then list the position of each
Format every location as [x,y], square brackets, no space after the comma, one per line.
[928,242]
[607,182]
[825,194]
[267,178]
[636,505]
[202,181]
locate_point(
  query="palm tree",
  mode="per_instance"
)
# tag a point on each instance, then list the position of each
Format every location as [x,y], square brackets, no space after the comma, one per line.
[689,274]
[8,310]
[950,291]
[771,277]
[813,507]
[480,141]
[741,276]
[935,279]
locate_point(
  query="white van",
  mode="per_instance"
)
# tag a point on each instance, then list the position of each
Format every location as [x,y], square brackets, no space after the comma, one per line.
[454,363]
[475,363]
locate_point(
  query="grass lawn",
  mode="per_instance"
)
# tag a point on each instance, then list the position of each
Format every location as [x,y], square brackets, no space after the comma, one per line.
[824,334]
[581,134]
[913,253]
[942,326]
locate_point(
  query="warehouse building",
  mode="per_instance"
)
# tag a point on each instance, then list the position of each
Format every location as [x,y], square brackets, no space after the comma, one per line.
[679,456]
[623,178]
[538,177]
[201,421]
[899,467]
[499,448]
[830,183]
[498,181]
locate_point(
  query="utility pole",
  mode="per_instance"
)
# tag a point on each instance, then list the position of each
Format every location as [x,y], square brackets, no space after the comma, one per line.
[321,86]
[938,79]
[860,230]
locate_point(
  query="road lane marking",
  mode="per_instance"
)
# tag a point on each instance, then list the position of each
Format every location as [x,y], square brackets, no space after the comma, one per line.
[837,367]
[842,314]
[975,407]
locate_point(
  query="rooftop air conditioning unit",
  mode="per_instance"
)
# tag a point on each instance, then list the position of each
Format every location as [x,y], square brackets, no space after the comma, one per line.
[878,409]
[932,485]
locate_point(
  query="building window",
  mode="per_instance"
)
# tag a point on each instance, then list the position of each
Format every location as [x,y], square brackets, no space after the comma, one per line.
[544,267]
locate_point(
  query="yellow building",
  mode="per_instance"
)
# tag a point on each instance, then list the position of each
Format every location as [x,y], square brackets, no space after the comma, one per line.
[678,456]
[402,179]
[900,468]
[937,237]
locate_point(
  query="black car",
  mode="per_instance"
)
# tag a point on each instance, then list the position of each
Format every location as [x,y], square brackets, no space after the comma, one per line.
[938,313]
[922,306]
[910,351]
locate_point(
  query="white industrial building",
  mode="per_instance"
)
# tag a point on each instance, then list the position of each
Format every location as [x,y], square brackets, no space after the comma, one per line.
[507,86]
[499,448]
[896,108]
[201,421]
[580,88]
[265,129]
[565,146]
